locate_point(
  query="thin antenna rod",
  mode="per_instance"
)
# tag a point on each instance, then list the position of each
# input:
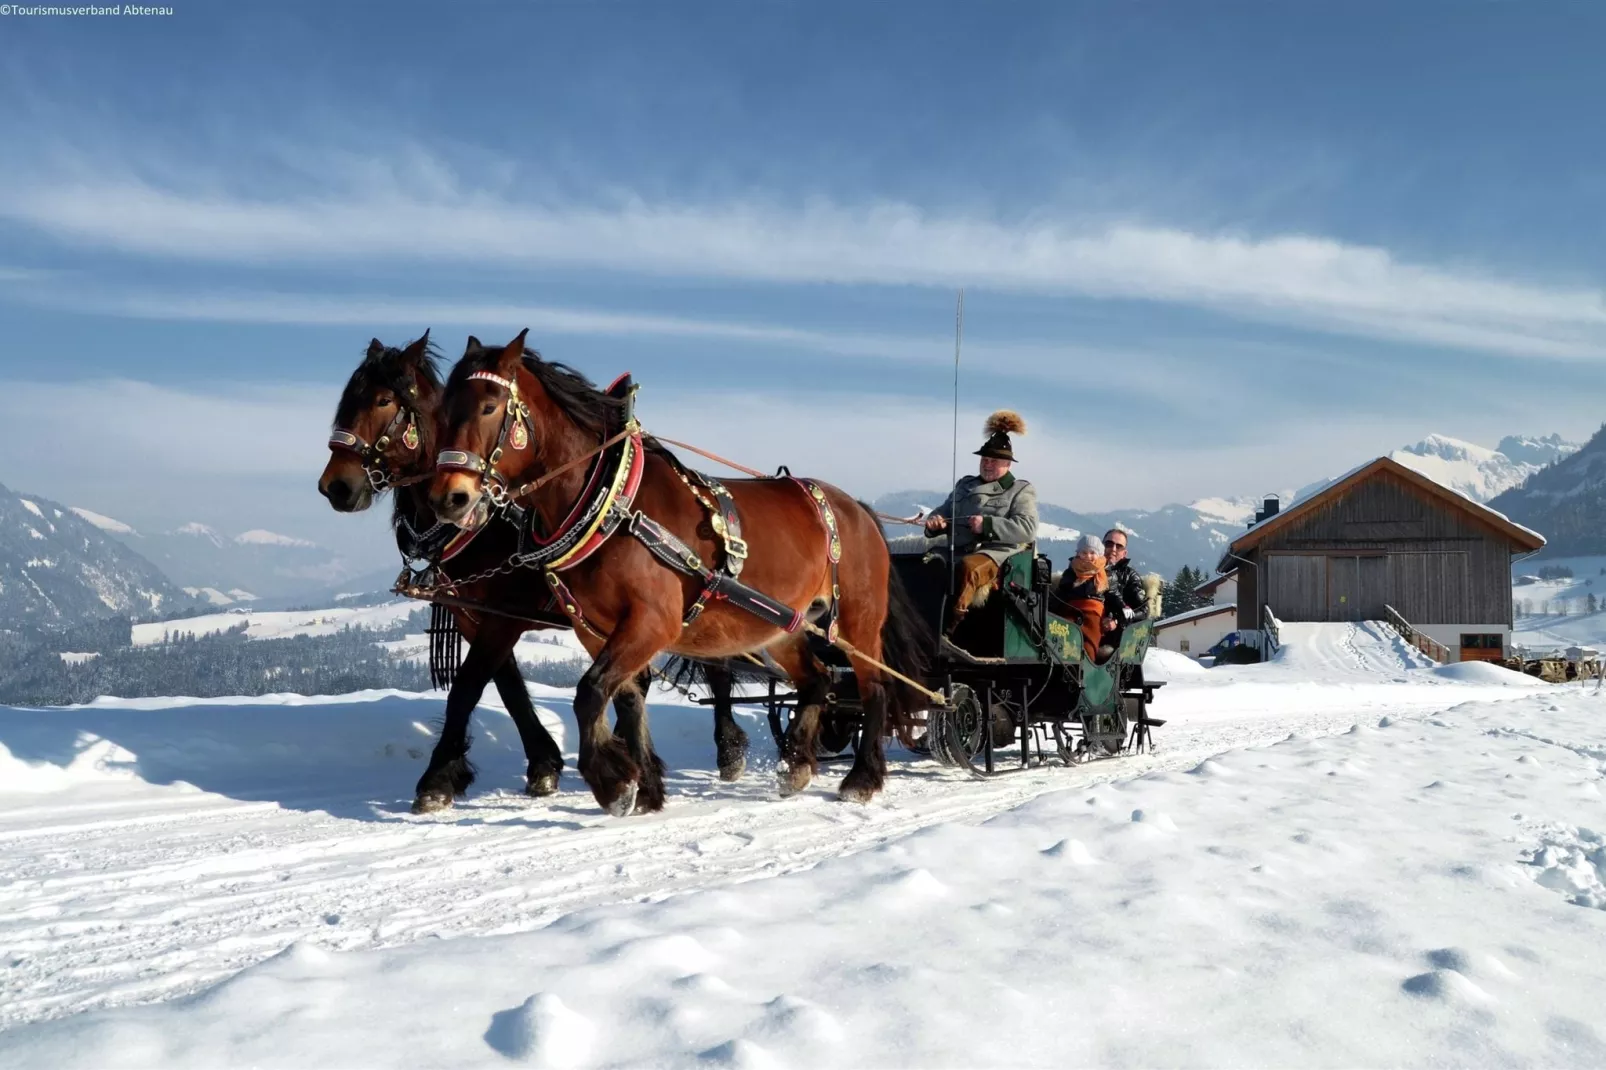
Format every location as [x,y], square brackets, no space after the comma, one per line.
[959,338]
[953,480]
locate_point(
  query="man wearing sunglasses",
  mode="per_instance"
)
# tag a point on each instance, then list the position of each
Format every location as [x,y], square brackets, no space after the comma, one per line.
[1124,580]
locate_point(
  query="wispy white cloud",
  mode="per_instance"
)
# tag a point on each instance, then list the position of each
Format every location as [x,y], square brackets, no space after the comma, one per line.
[158,432]
[1035,358]
[257,449]
[1309,281]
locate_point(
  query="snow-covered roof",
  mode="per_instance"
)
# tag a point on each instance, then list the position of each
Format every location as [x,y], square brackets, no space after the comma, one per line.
[1525,537]
[1196,614]
[1216,581]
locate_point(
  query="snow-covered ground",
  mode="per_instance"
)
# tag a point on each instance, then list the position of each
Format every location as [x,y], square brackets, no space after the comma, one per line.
[279,624]
[1347,856]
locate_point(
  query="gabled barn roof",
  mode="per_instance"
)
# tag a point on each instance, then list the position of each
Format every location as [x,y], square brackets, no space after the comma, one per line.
[1209,586]
[1194,614]
[1520,537]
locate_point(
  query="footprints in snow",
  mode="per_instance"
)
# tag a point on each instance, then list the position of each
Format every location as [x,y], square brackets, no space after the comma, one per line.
[1572,860]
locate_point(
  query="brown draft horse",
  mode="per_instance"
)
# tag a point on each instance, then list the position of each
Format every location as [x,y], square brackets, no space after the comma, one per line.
[630,606]
[395,389]
[386,429]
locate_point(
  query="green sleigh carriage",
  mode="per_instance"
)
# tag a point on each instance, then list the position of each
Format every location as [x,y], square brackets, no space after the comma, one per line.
[1021,690]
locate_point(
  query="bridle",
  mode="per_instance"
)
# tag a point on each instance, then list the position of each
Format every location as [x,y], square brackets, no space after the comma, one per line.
[514,434]
[374,458]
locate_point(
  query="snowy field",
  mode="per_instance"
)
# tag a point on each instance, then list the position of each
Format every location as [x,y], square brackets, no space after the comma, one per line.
[557,645]
[1345,857]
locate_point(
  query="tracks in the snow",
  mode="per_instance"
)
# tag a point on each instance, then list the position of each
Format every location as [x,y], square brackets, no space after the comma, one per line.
[132,905]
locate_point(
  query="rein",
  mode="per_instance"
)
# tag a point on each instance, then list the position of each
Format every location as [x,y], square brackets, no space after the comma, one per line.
[756,474]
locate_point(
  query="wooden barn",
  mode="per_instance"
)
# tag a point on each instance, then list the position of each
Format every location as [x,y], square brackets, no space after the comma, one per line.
[1385,543]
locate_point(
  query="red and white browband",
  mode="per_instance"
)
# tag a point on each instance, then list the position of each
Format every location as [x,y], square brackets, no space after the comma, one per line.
[492,377]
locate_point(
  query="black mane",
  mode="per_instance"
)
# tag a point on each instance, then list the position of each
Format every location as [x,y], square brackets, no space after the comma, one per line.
[388,369]
[571,391]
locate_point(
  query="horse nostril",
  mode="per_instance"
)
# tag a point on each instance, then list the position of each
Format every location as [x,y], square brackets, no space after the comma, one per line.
[339,490]
[458,499]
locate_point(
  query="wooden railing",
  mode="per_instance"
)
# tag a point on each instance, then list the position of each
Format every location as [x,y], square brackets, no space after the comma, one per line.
[1431,647]
[1271,627]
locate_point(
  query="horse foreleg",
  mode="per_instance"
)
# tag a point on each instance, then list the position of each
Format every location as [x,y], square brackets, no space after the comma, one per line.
[630,714]
[543,756]
[605,760]
[730,742]
[450,773]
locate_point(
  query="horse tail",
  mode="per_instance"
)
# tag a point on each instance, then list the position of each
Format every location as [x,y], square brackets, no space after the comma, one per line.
[682,672]
[907,642]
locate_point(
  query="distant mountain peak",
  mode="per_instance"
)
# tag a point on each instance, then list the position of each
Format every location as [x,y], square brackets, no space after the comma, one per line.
[262,537]
[104,523]
[1450,449]
[1479,472]
[200,531]
[1537,451]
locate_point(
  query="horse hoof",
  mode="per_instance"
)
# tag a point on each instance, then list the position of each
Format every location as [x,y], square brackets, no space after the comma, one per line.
[855,795]
[733,771]
[793,780]
[539,787]
[625,804]
[431,801]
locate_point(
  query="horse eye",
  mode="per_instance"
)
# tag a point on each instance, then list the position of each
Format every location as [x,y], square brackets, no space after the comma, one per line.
[386,402]
[490,407]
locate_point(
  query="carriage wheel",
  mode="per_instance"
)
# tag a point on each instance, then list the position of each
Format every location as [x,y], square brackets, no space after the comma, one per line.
[956,731]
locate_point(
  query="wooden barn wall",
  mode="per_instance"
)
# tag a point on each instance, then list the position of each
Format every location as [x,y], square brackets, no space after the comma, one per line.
[1439,567]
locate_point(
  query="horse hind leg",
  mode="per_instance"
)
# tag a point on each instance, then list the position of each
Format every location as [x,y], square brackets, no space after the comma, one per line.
[543,756]
[869,773]
[800,760]
[730,741]
[630,709]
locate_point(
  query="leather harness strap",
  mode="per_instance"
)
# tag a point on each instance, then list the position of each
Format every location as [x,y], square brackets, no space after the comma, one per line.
[375,465]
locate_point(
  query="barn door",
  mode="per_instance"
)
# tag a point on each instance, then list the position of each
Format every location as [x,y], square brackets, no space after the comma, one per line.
[1296,586]
[1357,587]
[1374,586]
[1343,588]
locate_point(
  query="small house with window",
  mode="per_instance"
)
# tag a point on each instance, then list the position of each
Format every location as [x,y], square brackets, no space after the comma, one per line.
[1385,543]
[1196,631]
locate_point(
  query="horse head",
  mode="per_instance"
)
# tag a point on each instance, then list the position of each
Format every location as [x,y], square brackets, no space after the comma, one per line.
[384,428]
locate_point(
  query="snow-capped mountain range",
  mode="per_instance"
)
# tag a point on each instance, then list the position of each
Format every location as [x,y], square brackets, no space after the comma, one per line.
[1165,539]
[1566,501]
[57,567]
[224,569]
[1480,473]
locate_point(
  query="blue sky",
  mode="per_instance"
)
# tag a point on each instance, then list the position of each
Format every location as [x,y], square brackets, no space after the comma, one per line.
[1207,249]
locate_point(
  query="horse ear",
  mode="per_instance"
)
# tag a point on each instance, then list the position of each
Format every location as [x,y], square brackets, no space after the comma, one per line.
[376,349]
[415,352]
[473,344]
[513,355]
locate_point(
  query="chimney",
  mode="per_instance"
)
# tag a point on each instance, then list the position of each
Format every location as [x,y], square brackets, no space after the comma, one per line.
[1270,507]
